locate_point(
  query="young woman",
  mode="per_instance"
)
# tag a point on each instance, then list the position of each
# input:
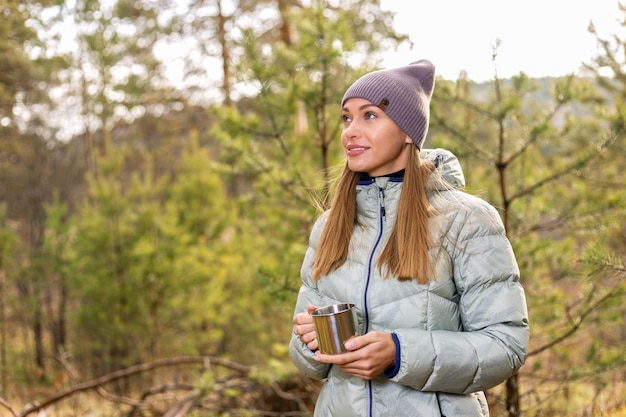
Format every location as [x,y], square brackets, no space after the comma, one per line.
[441,312]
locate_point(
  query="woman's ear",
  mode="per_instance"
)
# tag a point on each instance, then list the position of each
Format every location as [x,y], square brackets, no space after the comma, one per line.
[407,139]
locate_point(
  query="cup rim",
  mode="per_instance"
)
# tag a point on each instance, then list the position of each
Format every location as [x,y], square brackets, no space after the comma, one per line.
[333,309]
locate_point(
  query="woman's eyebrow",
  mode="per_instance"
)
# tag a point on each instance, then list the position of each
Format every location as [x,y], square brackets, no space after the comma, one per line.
[363,107]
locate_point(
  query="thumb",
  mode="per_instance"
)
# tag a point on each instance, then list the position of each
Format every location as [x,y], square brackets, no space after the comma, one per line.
[355,342]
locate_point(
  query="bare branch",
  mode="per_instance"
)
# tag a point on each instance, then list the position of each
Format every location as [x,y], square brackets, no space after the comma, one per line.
[93,384]
[480,151]
[534,135]
[183,407]
[287,396]
[118,399]
[7,406]
[580,163]
[560,221]
[158,390]
[577,321]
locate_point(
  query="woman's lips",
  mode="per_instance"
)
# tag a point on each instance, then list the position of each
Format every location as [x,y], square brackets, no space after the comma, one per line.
[355,150]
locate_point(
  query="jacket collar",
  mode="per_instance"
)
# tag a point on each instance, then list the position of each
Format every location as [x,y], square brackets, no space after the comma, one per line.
[446,164]
[397,176]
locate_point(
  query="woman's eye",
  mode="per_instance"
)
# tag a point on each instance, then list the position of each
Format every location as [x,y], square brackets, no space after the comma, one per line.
[370,115]
[345,118]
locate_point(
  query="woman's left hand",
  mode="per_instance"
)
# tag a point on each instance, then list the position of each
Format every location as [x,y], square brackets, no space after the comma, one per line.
[369,355]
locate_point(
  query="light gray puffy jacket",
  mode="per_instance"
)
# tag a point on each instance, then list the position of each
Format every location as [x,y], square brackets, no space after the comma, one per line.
[462,333]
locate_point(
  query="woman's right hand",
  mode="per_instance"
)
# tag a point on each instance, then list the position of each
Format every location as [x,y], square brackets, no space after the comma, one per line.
[304,328]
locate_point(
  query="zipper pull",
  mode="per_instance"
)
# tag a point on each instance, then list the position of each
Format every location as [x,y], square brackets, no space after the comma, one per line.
[381,192]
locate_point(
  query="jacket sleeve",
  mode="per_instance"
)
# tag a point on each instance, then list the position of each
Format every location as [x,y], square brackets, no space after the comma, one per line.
[492,306]
[300,354]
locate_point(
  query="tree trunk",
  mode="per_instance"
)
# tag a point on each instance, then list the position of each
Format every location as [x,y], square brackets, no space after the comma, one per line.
[512,397]
[4,370]
[221,34]
[38,339]
[59,327]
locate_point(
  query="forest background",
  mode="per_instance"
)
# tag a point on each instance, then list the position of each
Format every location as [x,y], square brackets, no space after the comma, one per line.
[151,231]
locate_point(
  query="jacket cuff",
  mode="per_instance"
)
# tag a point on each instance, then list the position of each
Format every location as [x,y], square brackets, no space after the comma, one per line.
[393,371]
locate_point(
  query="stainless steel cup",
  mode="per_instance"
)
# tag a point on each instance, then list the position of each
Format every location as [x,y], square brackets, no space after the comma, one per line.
[334,324]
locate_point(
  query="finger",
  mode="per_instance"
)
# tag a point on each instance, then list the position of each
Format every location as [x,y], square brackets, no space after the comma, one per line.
[307,328]
[360,341]
[308,335]
[340,359]
[351,344]
[313,345]
[303,318]
[357,342]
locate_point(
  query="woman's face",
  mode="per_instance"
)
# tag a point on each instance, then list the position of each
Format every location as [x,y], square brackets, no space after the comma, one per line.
[373,143]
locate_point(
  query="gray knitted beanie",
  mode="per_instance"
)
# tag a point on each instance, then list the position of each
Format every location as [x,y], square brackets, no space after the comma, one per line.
[402,93]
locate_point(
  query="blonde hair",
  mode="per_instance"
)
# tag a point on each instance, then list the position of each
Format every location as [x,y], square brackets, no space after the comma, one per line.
[405,255]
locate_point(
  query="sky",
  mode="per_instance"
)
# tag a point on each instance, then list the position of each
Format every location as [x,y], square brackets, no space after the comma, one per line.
[538,37]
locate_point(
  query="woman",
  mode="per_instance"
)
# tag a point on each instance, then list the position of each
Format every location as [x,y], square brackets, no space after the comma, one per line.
[442,315]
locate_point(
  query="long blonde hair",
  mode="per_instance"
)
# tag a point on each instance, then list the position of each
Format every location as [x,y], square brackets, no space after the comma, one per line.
[405,255]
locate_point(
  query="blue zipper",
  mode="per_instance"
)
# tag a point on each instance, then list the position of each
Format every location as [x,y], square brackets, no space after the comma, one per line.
[370,266]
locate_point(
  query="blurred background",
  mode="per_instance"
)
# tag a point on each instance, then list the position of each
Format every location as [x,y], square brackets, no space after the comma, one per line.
[162,163]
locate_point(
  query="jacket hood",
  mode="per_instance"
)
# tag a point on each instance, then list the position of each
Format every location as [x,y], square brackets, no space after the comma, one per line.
[447,167]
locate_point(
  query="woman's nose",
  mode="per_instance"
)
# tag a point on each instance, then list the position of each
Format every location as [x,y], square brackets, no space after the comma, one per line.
[351,129]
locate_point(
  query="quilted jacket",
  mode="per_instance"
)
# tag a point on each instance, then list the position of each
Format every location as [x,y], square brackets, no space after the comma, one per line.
[460,334]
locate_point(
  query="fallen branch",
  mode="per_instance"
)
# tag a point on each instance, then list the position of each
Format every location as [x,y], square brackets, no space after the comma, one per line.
[7,406]
[105,379]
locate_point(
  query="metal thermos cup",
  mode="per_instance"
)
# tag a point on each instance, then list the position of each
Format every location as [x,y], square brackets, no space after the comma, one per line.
[334,324]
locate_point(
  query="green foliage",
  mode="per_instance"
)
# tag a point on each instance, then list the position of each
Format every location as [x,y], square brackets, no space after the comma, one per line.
[189,234]
[9,247]
[18,71]
[285,143]
[206,382]
[8,243]
[549,169]
[173,261]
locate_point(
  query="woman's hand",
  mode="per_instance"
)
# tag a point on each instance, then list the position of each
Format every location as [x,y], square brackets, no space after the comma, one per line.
[369,355]
[304,328]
